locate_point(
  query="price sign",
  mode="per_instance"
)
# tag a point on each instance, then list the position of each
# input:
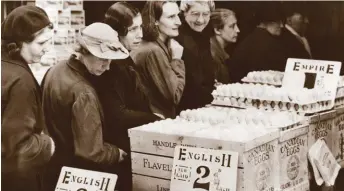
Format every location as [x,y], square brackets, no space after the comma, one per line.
[200,169]
[74,179]
[313,74]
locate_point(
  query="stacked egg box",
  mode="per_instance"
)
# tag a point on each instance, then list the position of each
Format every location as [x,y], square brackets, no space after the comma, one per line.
[274,147]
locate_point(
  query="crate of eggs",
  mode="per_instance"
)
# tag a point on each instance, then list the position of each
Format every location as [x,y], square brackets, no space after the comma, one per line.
[292,142]
[152,150]
[270,98]
[269,77]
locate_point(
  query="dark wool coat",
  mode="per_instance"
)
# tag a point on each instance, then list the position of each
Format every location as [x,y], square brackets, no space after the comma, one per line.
[24,150]
[125,105]
[163,76]
[293,46]
[199,68]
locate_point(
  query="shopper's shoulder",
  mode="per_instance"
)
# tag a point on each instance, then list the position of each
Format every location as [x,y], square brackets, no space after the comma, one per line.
[12,73]
[145,50]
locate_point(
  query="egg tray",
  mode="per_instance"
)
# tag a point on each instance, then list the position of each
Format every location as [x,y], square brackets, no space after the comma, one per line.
[307,108]
[235,119]
[276,84]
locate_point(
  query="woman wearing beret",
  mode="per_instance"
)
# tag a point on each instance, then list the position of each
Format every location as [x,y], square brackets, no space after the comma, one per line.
[25,149]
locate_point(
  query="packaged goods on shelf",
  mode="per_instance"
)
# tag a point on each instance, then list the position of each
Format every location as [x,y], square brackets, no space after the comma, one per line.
[64,18]
[338,135]
[73,4]
[50,4]
[270,97]
[269,77]
[77,19]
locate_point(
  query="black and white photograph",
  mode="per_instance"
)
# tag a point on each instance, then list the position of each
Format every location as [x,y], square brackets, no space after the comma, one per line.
[172,95]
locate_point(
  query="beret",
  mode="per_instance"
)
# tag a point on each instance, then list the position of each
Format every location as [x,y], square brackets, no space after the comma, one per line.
[23,22]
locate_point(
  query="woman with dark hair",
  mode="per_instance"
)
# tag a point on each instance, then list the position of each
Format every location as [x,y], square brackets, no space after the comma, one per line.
[25,149]
[159,59]
[195,38]
[121,92]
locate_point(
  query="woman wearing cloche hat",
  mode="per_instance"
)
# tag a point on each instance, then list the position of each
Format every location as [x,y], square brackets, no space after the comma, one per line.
[72,109]
[25,150]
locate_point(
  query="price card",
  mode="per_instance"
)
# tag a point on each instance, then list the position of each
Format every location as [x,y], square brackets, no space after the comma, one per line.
[313,74]
[74,179]
[201,169]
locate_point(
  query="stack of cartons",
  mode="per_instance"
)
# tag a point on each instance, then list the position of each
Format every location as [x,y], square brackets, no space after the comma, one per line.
[152,158]
[338,135]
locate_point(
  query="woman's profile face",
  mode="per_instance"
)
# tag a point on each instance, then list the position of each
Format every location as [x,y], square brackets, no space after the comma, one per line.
[134,36]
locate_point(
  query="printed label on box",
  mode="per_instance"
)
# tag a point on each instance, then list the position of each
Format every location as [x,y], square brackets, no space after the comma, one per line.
[260,167]
[293,162]
[204,169]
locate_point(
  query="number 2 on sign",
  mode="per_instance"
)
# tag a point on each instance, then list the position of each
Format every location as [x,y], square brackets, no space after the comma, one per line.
[204,186]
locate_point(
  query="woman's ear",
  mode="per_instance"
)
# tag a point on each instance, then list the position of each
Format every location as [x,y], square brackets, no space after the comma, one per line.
[217,31]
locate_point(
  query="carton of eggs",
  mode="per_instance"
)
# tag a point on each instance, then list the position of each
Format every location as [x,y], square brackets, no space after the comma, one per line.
[264,77]
[270,97]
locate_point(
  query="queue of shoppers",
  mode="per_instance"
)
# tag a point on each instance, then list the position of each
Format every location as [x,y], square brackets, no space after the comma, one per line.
[129,69]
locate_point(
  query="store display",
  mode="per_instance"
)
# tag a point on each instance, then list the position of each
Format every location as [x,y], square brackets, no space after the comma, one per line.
[269,97]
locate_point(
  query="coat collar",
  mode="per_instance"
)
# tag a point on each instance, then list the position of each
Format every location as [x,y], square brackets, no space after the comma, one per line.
[80,68]
[19,61]
[164,48]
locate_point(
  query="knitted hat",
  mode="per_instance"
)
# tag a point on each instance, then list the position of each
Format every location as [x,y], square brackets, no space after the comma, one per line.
[23,22]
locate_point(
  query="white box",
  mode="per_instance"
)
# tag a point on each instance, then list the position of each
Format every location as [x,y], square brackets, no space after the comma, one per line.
[320,126]
[160,168]
[293,163]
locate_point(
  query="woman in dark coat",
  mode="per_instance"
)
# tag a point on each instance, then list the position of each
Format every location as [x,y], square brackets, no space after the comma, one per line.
[25,149]
[120,89]
[195,38]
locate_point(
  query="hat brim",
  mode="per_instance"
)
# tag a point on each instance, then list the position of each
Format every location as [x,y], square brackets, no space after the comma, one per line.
[109,54]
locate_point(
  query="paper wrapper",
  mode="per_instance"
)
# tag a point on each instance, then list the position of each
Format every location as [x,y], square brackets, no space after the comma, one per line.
[324,164]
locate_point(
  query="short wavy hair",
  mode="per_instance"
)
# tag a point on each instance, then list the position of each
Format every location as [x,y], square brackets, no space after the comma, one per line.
[219,16]
[151,13]
[120,17]
[185,5]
